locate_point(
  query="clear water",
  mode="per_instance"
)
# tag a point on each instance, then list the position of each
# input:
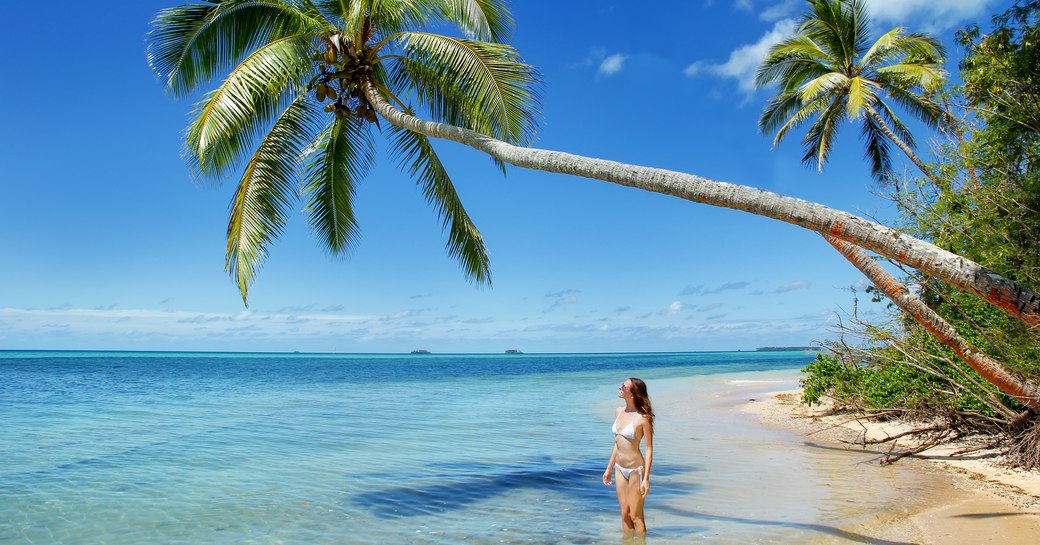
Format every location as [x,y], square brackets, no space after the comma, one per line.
[143,448]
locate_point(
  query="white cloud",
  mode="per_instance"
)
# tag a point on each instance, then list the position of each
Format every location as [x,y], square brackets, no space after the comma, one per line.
[743,62]
[612,64]
[781,10]
[674,308]
[791,286]
[926,14]
[563,300]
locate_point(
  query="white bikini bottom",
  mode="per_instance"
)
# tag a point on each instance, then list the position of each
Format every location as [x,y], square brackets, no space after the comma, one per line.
[626,471]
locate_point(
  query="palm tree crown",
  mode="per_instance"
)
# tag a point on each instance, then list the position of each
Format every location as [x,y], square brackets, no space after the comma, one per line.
[289,115]
[829,71]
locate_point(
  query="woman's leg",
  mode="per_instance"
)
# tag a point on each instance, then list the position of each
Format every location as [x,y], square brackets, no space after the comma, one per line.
[635,501]
[623,493]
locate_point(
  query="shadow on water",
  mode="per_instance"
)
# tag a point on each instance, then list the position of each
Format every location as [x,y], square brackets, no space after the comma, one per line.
[813,527]
[470,483]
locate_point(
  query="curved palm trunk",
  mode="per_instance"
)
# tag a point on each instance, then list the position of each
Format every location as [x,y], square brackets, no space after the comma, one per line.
[907,150]
[1014,299]
[1026,393]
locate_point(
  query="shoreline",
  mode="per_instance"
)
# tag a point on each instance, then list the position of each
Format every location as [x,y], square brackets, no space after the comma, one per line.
[972,500]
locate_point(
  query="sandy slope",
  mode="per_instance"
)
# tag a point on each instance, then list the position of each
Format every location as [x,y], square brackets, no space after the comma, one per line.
[985,504]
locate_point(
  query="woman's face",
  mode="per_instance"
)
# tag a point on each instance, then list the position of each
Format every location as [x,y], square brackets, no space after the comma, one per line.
[625,390]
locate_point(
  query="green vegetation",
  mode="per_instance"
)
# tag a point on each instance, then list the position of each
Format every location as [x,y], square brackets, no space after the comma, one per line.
[983,203]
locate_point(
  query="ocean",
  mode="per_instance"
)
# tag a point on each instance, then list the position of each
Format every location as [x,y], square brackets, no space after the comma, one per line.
[141,448]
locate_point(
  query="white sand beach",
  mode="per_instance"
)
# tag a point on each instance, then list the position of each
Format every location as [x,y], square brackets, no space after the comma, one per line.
[967,501]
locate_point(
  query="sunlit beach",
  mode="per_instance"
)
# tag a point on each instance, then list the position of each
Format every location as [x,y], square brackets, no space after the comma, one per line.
[440,272]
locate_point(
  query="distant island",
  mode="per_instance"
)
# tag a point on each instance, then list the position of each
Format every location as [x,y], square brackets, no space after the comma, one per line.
[513,351]
[421,351]
[787,348]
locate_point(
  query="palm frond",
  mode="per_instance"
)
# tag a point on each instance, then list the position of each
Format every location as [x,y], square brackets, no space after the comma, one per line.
[487,20]
[229,118]
[877,149]
[922,108]
[880,50]
[829,83]
[338,160]
[793,60]
[910,75]
[482,86]
[789,111]
[861,92]
[819,139]
[190,45]
[267,190]
[465,243]
[895,124]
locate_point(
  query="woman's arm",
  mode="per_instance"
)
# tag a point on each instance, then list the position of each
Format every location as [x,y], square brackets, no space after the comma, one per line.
[648,433]
[608,475]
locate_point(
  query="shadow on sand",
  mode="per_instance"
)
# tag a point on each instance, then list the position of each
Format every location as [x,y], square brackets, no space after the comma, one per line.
[813,527]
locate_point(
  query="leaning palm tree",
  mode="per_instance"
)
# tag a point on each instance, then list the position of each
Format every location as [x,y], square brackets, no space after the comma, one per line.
[285,56]
[829,71]
[290,114]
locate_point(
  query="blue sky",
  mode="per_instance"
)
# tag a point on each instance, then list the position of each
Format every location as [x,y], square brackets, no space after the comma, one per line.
[107,243]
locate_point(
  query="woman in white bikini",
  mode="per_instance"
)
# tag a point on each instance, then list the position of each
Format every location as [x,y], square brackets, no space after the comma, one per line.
[629,468]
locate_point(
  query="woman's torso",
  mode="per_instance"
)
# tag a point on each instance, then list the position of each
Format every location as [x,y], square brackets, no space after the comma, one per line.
[628,432]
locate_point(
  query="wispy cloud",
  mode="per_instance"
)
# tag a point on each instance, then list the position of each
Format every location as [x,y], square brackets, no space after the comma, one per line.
[926,14]
[792,286]
[676,326]
[673,309]
[562,298]
[743,62]
[691,290]
[701,290]
[612,64]
[729,286]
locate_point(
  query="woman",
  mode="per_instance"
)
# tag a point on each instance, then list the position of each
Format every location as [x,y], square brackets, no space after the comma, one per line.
[631,471]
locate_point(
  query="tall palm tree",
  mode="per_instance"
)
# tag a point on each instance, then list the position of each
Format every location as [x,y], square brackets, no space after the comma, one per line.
[289,112]
[829,71]
[191,44]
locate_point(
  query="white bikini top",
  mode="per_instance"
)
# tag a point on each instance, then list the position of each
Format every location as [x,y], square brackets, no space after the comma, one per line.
[628,432]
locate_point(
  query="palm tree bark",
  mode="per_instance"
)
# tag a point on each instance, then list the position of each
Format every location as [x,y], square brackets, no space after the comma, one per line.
[1026,393]
[907,150]
[1014,299]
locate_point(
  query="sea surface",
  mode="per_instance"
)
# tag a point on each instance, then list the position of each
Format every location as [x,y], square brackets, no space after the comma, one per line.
[141,448]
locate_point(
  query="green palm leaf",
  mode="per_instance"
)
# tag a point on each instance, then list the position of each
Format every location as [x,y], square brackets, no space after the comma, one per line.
[481,19]
[818,140]
[229,118]
[465,243]
[338,160]
[267,190]
[877,148]
[190,45]
[478,85]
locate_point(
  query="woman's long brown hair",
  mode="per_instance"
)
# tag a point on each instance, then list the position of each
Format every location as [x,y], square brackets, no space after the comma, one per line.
[642,399]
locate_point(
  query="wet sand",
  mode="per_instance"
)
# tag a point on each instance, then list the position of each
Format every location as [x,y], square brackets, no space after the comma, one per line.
[928,501]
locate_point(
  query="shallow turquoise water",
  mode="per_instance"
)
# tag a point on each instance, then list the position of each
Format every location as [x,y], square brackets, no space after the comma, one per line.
[142,448]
